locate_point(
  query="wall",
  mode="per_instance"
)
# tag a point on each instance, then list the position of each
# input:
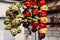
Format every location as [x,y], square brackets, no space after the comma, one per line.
[53,34]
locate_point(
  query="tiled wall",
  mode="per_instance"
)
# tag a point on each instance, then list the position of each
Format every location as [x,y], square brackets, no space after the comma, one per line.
[53,34]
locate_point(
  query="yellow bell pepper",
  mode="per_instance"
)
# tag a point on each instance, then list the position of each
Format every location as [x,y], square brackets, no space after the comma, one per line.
[43,31]
[44,20]
[44,7]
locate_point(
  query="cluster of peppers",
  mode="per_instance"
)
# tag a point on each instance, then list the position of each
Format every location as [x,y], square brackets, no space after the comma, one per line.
[34,16]
[43,19]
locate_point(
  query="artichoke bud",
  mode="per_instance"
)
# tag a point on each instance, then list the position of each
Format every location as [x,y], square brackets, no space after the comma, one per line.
[12,16]
[13,31]
[18,30]
[7,21]
[19,19]
[17,4]
[8,27]
[19,16]
[14,8]
[17,22]
[9,12]
[13,22]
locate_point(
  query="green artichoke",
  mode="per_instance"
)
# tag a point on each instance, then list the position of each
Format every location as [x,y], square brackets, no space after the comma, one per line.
[8,27]
[18,30]
[7,20]
[13,31]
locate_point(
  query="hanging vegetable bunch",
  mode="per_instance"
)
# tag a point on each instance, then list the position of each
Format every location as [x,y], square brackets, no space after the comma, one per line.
[13,18]
[31,16]
[43,18]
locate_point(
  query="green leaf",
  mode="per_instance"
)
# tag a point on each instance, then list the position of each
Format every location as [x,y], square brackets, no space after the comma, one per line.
[35,6]
[36,17]
[25,20]
[29,20]
[24,7]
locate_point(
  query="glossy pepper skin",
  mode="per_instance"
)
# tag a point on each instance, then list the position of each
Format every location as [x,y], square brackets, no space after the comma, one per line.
[34,2]
[44,20]
[35,24]
[35,11]
[26,14]
[43,13]
[44,7]
[43,31]
[28,4]
[42,25]
[42,2]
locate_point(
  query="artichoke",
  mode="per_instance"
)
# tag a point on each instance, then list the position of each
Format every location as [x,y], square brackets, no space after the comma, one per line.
[13,31]
[13,18]
[16,13]
[7,20]
[14,8]
[19,16]
[15,23]
[9,12]
[19,19]
[17,4]
[8,27]
[18,30]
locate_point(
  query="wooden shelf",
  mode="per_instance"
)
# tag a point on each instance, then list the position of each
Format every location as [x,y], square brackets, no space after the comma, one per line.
[2,17]
[53,11]
[7,1]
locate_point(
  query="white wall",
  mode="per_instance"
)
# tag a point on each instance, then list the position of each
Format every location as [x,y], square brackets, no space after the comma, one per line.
[53,34]
[3,8]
